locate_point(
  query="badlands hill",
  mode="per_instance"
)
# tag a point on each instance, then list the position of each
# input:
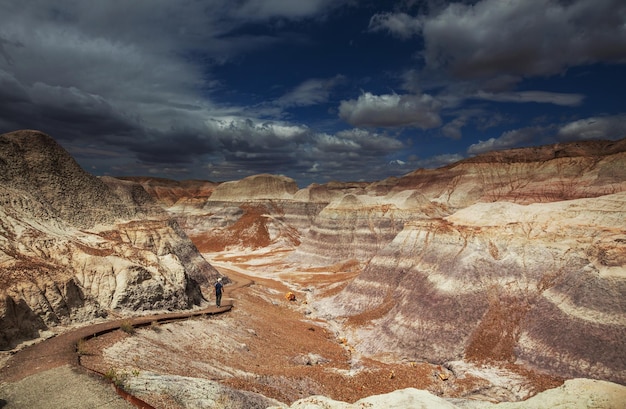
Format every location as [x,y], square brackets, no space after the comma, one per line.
[74,247]
[510,258]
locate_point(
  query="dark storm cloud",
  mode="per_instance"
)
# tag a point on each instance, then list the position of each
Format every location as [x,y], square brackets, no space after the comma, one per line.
[176,146]
[66,112]
[610,127]
[132,77]
[531,37]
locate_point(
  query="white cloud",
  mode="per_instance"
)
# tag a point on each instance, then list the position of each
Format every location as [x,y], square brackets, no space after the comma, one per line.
[398,24]
[509,139]
[371,141]
[361,141]
[601,127]
[391,110]
[310,92]
[453,128]
[254,133]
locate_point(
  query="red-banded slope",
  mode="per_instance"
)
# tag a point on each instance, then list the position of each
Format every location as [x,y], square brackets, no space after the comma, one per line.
[526,175]
[541,284]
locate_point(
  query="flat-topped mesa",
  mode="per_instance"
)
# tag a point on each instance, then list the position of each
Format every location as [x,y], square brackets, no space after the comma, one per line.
[256,187]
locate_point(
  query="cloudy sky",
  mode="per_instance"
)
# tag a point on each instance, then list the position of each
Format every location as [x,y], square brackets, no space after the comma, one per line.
[317,90]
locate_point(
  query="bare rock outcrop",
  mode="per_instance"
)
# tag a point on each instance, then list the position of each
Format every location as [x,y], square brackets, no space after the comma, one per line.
[74,247]
[185,193]
[358,226]
[33,162]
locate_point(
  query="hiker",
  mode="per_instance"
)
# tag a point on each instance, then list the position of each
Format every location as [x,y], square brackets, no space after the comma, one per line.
[218,292]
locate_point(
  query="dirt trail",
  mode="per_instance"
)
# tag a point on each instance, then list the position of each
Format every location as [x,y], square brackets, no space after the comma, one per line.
[61,349]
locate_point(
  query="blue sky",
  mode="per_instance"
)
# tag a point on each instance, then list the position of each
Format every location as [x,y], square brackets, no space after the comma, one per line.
[316,90]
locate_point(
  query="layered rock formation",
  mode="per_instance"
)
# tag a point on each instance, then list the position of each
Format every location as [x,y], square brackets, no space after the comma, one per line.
[514,272]
[74,247]
[540,284]
[359,226]
[173,192]
[265,187]
[515,256]
[526,175]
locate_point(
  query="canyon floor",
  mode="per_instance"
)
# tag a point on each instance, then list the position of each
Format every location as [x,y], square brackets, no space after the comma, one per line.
[265,344]
[282,350]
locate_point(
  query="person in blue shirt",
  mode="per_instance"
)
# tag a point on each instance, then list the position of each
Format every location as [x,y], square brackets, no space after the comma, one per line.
[218,292]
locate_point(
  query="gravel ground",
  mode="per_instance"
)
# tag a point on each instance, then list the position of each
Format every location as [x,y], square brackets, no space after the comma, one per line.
[61,387]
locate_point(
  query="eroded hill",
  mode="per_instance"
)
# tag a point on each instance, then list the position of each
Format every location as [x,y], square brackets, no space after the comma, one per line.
[74,247]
